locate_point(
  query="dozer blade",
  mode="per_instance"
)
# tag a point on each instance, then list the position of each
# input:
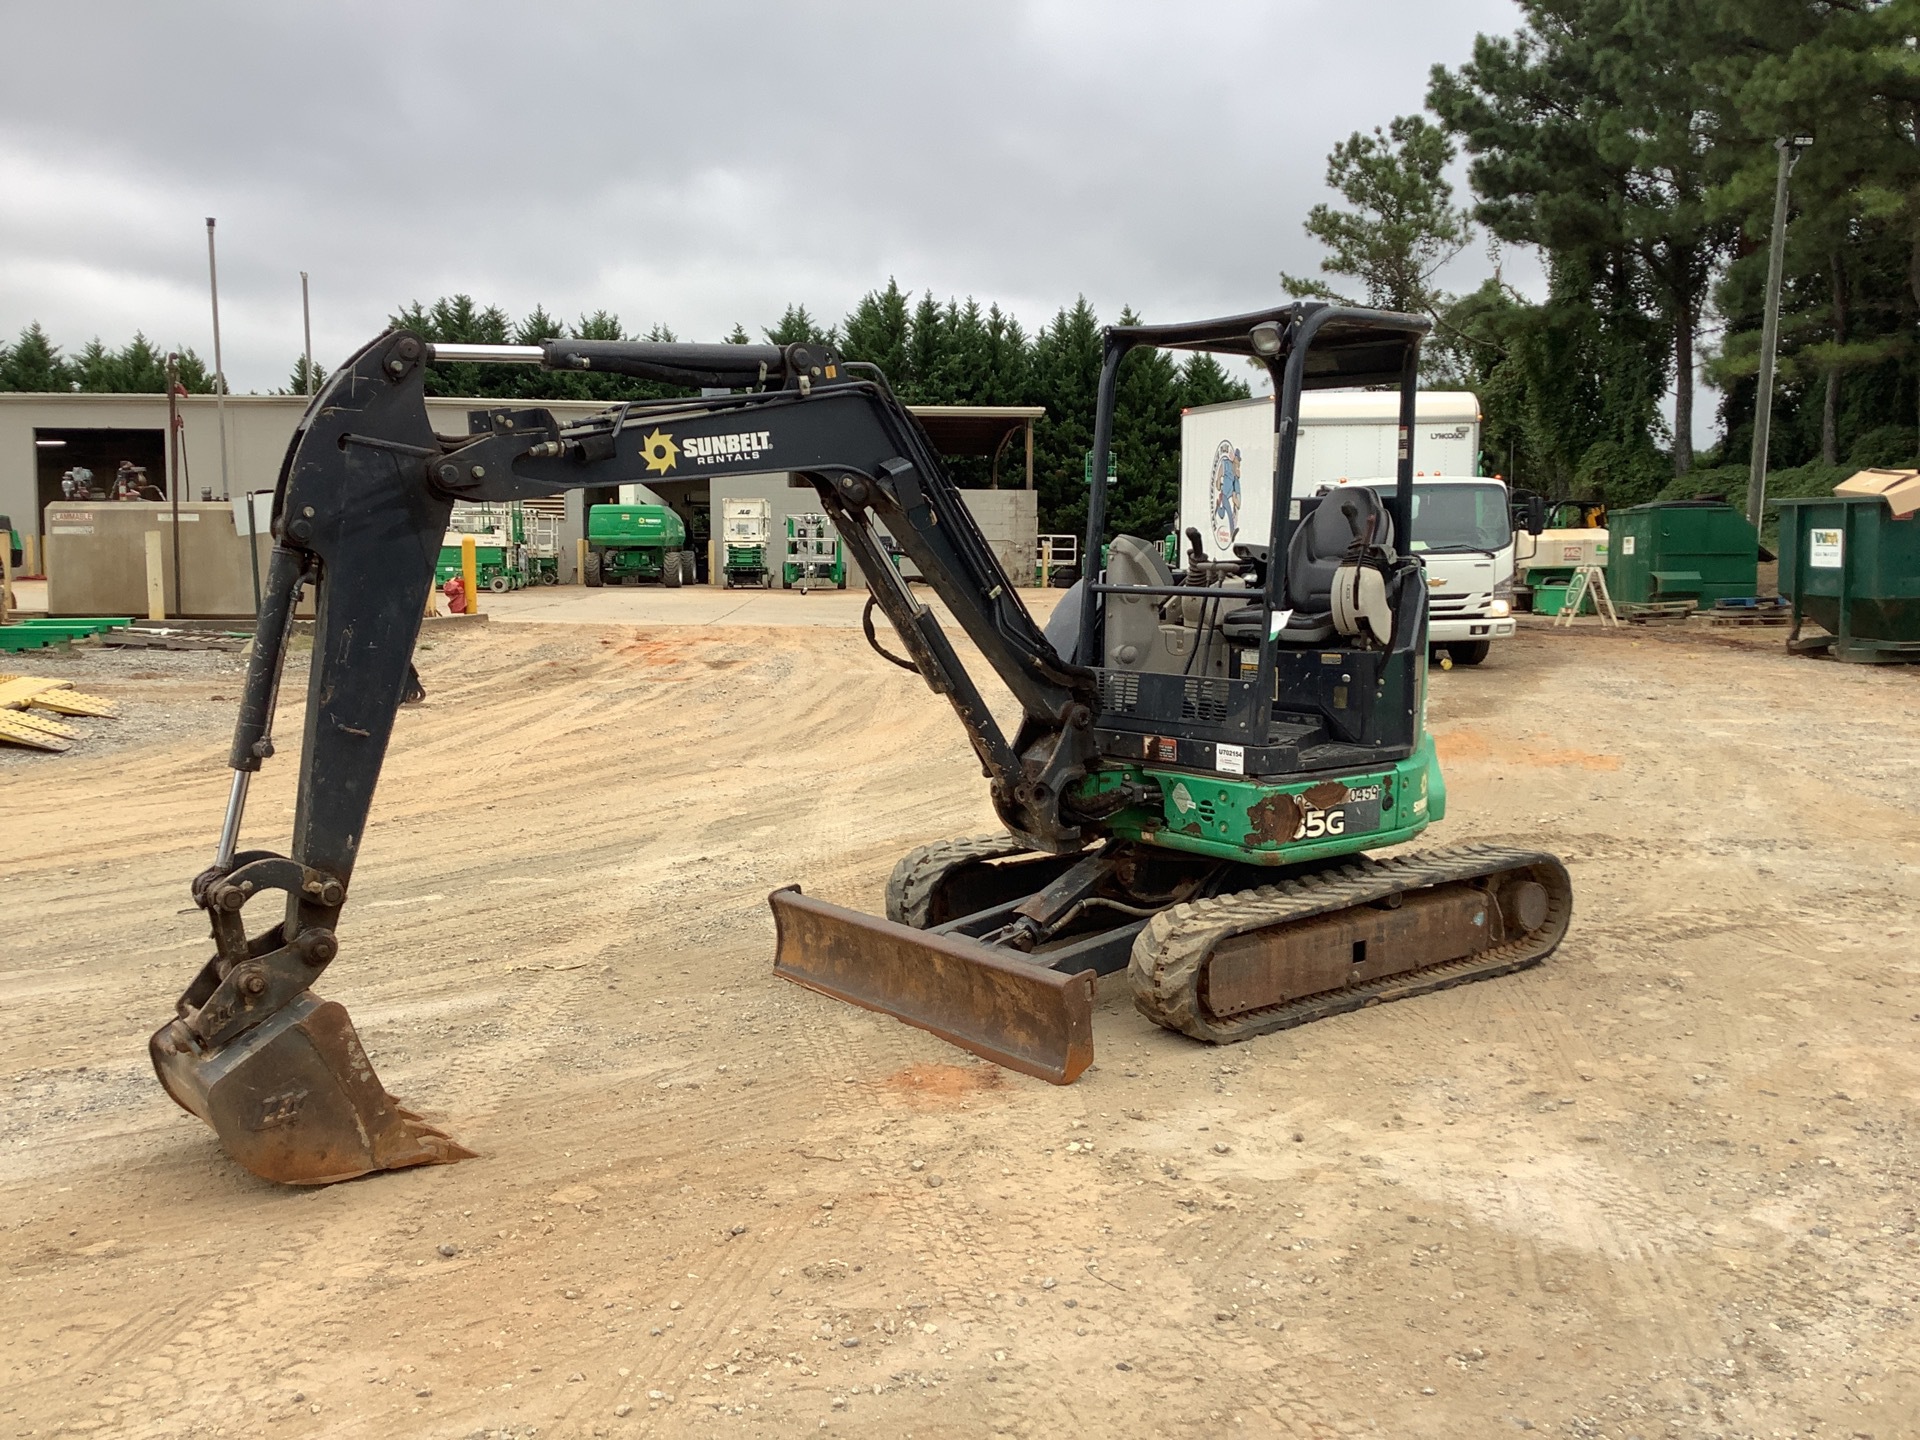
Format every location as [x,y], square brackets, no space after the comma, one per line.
[295,1098]
[1012,1011]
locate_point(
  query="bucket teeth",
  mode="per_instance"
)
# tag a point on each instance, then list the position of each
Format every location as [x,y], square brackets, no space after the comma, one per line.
[295,1098]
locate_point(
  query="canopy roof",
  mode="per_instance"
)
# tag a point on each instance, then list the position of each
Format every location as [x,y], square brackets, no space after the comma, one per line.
[1345,346]
[973,429]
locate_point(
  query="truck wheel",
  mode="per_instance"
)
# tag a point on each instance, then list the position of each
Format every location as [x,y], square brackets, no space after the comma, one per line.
[592,573]
[549,577]
[1469,652]
[670,573]
[499,584]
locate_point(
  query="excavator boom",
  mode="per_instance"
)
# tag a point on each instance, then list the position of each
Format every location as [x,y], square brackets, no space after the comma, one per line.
[360,510]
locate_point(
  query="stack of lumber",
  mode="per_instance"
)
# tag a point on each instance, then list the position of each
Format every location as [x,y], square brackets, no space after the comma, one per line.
[28,704]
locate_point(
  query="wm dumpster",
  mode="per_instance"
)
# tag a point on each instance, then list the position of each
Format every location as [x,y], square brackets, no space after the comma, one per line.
[1698,550]
[1853,569]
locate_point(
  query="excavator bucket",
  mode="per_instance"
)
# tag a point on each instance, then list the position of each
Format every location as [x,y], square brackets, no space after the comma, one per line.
[295,1098]
[1003,1008]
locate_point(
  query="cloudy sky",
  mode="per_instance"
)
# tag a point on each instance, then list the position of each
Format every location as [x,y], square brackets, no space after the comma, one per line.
[692,164]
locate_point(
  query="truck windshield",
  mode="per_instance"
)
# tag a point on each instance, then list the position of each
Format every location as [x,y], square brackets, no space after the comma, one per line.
[1458,517]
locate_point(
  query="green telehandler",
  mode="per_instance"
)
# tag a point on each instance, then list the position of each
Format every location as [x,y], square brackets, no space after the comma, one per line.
[1202,760]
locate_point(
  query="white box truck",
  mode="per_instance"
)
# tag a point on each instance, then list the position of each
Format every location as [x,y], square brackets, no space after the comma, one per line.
[1462,528]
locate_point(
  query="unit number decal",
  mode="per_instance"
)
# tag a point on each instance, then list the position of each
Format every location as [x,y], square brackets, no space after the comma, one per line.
[1322,822]
[1356,815]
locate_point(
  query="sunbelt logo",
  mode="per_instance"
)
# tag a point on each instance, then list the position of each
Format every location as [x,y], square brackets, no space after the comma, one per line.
[741,445]
[662,454]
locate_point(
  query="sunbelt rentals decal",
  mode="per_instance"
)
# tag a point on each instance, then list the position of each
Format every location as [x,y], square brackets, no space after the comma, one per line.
[662,453]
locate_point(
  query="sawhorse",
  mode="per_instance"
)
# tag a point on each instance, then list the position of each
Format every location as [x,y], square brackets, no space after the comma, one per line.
[1588,580]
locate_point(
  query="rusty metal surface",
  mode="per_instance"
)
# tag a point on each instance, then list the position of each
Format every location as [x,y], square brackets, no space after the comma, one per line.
[295,1098]
[1003,1009]
[1326,795]
[1352,947]
[1275,820]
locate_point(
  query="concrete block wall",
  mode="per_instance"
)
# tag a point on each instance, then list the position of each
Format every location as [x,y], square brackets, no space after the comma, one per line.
[1010,521]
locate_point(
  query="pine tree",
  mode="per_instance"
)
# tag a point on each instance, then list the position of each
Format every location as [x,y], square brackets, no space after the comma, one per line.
[298,380]
[192,372]
[1008,361]
[538,326]
[1403,226]
[797,327]
[967,361]
[34,363]
[926,355]
[877,330]
[1592,138]
[91,370]
[1204,381]
[1145,499]
[1065,379]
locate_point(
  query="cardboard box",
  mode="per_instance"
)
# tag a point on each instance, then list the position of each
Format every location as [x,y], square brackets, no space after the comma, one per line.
[1899,488]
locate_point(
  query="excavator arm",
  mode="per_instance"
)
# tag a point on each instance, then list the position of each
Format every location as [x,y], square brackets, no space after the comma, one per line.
[360,511]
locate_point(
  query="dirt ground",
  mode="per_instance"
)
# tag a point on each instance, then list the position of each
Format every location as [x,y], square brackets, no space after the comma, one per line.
[1663,1185]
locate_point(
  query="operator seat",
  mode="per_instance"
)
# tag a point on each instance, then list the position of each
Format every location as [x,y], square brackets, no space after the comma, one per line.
[1318,565]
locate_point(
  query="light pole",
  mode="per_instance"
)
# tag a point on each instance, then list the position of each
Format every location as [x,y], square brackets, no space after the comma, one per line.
[1789,149]
[306,322]
[219,371]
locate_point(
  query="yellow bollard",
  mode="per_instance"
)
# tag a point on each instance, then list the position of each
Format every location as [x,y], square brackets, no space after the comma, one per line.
[470,574]
[29,555]
[580,562]
[156,578]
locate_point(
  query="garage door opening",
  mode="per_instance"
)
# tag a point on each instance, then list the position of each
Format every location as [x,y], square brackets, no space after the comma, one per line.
[58,453]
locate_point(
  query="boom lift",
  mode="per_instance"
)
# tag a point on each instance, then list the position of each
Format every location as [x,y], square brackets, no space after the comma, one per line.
[1201,758]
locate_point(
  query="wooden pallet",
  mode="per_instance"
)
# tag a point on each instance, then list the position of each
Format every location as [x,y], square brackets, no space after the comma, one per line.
[1660,612]
[25,703]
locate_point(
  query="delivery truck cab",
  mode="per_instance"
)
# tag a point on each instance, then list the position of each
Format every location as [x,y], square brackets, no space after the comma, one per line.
[1461,524]
[1463,533]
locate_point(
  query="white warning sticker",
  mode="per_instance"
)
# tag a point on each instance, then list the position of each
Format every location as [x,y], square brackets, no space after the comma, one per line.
[1230,759]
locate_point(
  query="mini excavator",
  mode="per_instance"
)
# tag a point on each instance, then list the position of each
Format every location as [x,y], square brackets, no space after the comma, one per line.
[1202,758]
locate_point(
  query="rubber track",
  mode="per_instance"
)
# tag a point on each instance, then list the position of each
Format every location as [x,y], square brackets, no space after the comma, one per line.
[917,876]
[1169,958]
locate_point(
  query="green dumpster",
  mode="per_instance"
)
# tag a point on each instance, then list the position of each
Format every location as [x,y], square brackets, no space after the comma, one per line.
[1854,570]
[1698,550]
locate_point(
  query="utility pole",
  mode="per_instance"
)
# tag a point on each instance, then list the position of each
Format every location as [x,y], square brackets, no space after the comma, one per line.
[173,476]
[306,321]
[1770,327]
[219,370]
